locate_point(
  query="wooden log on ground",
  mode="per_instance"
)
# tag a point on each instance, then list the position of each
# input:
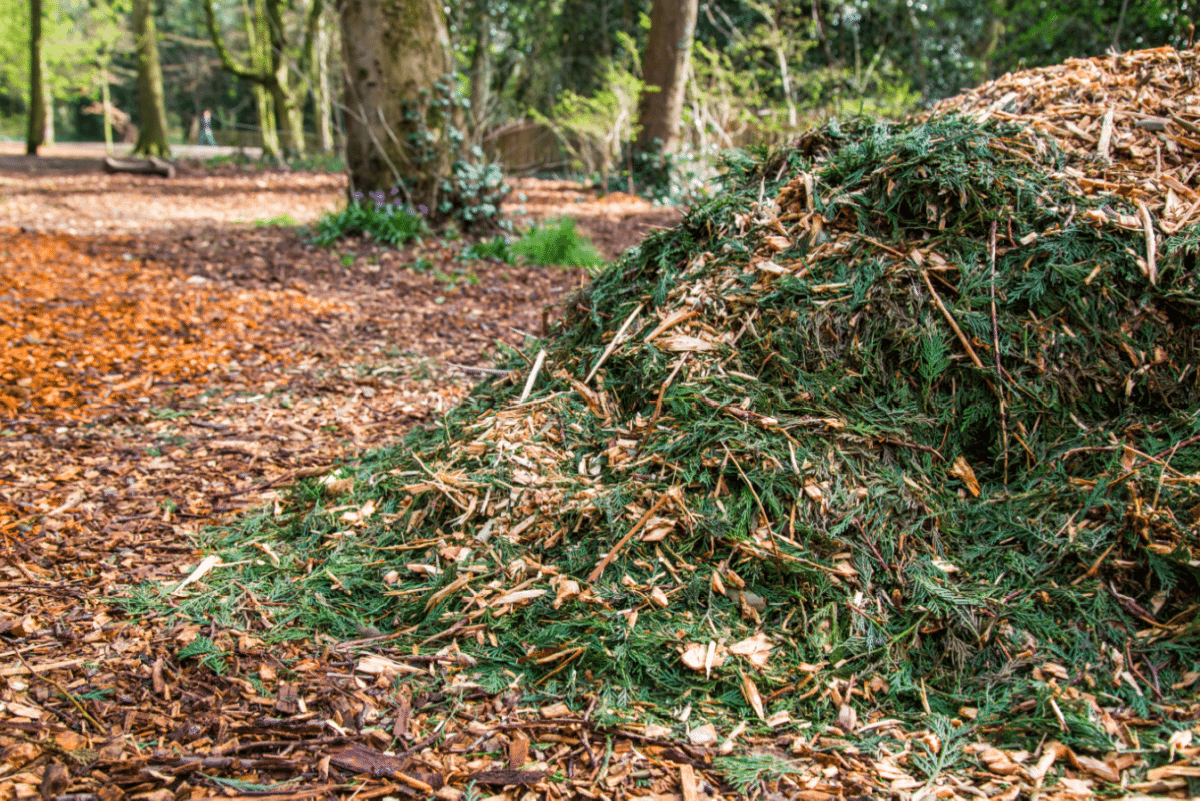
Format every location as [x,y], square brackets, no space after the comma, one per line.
[150,166]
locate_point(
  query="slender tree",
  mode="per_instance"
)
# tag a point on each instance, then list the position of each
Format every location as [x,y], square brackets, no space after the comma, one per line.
[259,49]
[152,133]
[394,54]
[314,66]
[665,67]
[273,77]
[481,70]
[36,129]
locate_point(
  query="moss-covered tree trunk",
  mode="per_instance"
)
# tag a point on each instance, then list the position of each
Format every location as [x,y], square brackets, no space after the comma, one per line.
[288,114]
[322,97]
[394,52]
[264,104]
[257,42]
[152,130]
[314,66]
[36,127]
[664,69]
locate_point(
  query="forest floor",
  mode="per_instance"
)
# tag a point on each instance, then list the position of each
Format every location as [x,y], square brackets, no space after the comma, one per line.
[166,363]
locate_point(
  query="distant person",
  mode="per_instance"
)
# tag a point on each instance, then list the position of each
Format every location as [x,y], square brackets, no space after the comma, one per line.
[206,134]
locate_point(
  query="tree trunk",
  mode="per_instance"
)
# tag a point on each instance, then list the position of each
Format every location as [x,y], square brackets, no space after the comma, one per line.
[289,118]
[323,99]
[36,127]
[48,112]
[819,27]
[481,71]
[668,50]
[265,105]
[288,114]
[256,41]
[314,66]
[394,52]
[106,101]
[152,131]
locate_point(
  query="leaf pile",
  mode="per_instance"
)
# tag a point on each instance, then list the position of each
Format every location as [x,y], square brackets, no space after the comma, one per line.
[906,422]
[119,327]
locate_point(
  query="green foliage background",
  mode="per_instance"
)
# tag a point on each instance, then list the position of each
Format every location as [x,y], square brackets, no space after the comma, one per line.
[884,57]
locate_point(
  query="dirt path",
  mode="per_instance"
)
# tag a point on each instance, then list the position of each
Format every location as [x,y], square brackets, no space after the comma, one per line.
[163,367]
[72,194]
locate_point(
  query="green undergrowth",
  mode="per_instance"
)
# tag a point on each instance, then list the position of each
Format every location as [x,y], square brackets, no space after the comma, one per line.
[811,425]
[557,242]
[390,223]
[554,242]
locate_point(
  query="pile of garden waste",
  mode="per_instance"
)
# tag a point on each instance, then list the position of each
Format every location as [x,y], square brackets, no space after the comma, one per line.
[904,425]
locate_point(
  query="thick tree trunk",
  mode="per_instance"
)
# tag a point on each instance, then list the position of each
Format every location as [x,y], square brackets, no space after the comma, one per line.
[665,68]
[152,131]
[394,52]
[36,127]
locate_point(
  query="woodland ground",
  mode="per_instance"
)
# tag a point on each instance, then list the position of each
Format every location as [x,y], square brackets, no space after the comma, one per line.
[166,363]
[169,362]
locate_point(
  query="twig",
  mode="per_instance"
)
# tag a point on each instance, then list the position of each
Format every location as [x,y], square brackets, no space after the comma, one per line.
[753,417]
[74,701]
[950,319]
[615,341]
[658,403]
[1095,566]
[917,446]
[538,361]
[1162,474]
[598,570]
[996,350]
[1187,126]
[1151,244]
[1106,131]
[481,370]
[761,509]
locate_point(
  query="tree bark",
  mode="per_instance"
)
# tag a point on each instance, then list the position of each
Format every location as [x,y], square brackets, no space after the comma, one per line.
[106,101]
[394,52]
[287,110]
[36,127]
[481,71]
[322,98]
[47,111]
[665,69]
[314,66]
[152,132]
[325,107]
[256,41]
